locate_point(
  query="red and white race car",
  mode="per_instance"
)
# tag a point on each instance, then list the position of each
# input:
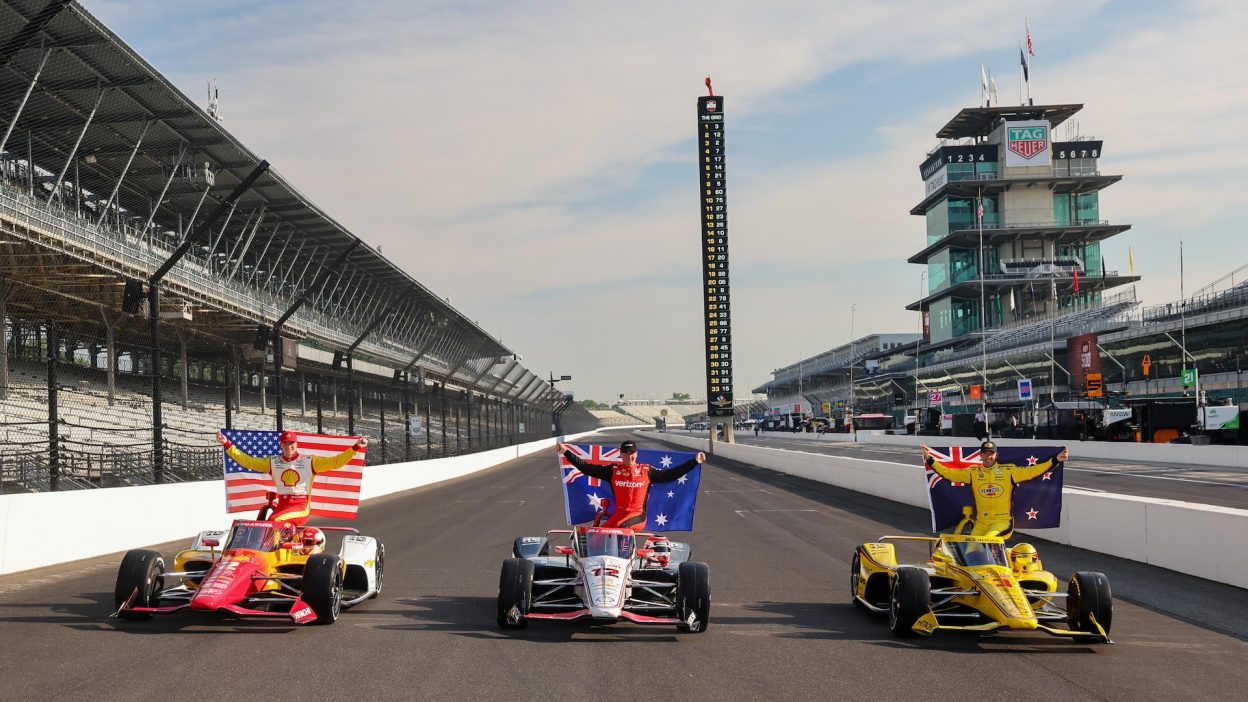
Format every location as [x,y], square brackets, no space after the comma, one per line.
[606,575]
[264,569]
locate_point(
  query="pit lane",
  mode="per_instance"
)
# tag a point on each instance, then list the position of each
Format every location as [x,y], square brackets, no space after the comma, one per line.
[782,626]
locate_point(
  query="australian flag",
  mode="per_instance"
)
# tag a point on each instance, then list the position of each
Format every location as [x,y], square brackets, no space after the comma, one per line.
[1037,502]
[669,507]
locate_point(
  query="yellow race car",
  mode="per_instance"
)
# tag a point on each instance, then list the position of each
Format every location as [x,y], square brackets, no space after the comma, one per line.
[976,583]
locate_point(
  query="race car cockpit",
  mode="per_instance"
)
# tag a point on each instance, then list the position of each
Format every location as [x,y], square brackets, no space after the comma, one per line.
[253,537]
[974,553]
[610,544]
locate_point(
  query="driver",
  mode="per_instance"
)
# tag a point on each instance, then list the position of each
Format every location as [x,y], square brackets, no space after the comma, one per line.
[630,481]
[292,473]
[992,484]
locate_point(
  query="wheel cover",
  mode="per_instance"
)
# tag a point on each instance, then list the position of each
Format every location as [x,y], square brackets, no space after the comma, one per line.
[894,605]
[854,576]
[380,566]
[335,596]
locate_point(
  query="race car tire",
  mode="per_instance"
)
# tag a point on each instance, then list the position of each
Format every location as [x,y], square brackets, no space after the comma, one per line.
[143,571]
[855,574]
[379,565]
[910,599]
[515,590]
[1088,595]
[322,586]
[693,596]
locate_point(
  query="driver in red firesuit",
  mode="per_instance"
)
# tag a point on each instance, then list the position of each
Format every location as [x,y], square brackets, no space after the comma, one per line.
[630,481]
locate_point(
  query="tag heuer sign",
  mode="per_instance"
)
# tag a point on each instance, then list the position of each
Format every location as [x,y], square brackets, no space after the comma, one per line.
[1027,143]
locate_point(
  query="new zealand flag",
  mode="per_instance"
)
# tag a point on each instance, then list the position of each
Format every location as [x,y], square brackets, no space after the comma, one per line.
[669,507]
[1037,502]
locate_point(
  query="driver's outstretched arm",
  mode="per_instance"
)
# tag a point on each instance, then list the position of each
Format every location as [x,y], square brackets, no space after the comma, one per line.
[251,463]
[948,473]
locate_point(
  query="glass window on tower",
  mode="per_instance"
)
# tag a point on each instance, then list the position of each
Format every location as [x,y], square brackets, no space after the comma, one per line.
[1061,210]
[1086,208]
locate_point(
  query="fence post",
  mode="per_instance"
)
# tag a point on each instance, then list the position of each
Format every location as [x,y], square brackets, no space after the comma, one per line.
[54,454]
[381,405]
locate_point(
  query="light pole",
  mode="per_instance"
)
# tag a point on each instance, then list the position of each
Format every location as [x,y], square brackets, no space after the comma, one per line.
[554,408]
[917,342]
[853,351]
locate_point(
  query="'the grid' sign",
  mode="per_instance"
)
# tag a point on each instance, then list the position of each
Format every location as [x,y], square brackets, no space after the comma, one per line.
[714,196]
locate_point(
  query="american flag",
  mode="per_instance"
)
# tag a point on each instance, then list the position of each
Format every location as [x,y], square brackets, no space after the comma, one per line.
[335,494]
[670,506]
[1037,503]
[1030,49]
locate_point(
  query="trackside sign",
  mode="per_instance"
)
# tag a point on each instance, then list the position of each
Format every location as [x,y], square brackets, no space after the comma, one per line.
[1027,143]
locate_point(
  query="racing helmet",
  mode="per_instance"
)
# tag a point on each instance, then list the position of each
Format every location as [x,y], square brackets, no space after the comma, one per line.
[1023,558]
[313,539]
[286,532]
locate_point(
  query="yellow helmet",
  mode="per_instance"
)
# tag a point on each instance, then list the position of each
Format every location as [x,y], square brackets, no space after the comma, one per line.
[1023,557]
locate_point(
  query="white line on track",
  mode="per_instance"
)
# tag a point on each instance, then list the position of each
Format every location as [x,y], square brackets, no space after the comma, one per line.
[743,512]
[1156,477]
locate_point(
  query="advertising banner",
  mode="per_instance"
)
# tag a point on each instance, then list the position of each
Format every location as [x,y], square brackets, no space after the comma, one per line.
[1083,357]
[1221,417]
[1024,388]
[1027,143]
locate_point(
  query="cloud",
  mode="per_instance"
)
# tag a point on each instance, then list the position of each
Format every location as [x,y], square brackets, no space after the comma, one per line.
[525,159]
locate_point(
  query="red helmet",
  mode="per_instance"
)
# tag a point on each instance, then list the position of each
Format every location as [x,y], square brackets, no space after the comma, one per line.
[288,437]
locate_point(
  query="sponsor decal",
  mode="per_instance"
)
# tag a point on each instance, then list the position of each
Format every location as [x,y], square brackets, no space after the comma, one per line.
[612,572]
[302,613]
[289,477]
[1028,141]
[631,483]
[990,490]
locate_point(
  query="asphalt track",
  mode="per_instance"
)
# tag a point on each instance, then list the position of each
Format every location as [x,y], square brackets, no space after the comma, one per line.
[782,626]
[1211,485]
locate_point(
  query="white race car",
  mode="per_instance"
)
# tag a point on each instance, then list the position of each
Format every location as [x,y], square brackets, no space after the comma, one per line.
[603,574]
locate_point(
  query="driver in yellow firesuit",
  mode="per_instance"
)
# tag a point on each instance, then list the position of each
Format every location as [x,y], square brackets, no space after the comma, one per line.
[992,484]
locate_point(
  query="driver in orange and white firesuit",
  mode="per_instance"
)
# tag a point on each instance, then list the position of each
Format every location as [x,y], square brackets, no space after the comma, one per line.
[992,484]
[630,481]
[292,472]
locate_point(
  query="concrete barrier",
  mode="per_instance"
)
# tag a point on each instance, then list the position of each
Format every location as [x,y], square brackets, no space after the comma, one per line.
[1207,541]
[1211,455]
[45,528]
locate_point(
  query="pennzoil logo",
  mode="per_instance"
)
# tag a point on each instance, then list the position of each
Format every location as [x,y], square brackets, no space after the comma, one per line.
[990,490]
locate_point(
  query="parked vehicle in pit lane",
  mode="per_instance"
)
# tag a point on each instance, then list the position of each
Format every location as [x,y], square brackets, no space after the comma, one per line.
[265,569]
[602,574]
[976,583]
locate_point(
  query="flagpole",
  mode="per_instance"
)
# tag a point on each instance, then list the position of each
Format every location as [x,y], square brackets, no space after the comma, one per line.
[983,314]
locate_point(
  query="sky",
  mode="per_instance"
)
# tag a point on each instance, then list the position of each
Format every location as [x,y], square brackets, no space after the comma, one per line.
[536,162]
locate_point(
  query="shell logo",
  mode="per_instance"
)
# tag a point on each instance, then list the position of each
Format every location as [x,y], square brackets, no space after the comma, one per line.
[289,477]
[990,490]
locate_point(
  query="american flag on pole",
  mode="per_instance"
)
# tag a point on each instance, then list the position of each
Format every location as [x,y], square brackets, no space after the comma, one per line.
[1030,49]
[335,495]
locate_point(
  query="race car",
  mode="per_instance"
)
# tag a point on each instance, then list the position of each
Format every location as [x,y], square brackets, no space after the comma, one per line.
[264,569]
[976,583]
[602,574]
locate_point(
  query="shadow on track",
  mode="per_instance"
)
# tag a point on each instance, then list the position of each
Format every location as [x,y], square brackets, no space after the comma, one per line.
[92,613]
[474,617]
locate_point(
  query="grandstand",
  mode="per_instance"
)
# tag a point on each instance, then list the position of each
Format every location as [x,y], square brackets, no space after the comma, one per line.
[649,411]
[152,266]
